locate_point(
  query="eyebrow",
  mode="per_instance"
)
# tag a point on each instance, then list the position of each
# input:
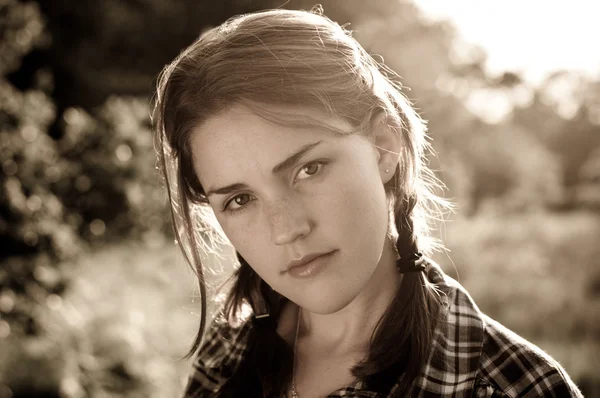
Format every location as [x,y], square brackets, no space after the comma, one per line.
[284,165]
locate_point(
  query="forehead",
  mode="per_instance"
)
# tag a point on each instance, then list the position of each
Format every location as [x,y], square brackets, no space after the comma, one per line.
[239,139]
[289,123]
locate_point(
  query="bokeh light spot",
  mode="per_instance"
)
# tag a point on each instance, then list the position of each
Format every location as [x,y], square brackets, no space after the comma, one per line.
[72,116]
[29,133]
[7,301]
[52,173]
[74,219]
[46,274]
[30,238]
[83,183]
[9,167]
[4,329]
[34,203]
[97,227]
[124,153]
[23,37]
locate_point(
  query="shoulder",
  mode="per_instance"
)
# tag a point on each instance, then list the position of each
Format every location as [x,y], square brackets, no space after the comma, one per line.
[511,366]
[473,355]
[222,350]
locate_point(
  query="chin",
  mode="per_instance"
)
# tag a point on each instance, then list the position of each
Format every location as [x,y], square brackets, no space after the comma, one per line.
[326,305]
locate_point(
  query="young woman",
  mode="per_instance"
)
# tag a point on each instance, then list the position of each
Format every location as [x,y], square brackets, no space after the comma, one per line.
[279,133]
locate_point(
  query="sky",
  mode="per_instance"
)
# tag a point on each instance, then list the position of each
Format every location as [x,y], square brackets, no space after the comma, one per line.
[534,37]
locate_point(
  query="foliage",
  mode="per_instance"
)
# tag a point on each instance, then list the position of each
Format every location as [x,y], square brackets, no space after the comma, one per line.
[60,197]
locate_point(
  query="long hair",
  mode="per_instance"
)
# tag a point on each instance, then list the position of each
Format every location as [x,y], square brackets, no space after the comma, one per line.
[299,58]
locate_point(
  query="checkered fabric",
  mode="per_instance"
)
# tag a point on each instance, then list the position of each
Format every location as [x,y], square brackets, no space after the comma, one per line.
[472,356]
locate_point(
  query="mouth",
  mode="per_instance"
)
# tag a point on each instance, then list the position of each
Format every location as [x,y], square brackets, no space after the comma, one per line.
[308,264]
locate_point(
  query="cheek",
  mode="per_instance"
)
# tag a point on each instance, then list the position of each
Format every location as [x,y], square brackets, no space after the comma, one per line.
[239,234]
[361,221]
[250,239]
[358,200]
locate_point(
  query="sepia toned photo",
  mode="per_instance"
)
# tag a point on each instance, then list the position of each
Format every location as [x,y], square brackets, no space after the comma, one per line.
[393,198]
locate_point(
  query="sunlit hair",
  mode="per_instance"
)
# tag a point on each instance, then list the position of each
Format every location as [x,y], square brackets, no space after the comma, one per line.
[276,60]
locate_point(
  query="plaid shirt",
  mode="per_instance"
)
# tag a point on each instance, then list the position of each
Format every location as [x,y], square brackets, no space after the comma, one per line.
[479,357]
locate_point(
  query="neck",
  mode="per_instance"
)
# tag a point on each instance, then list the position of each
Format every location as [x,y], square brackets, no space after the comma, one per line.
[350,329]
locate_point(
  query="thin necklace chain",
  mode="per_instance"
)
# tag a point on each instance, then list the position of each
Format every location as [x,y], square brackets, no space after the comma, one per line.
[294,392]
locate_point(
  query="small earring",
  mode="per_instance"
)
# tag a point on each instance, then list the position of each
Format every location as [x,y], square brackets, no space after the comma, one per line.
[387,170]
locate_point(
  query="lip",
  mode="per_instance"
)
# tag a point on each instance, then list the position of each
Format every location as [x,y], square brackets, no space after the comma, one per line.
[308,264]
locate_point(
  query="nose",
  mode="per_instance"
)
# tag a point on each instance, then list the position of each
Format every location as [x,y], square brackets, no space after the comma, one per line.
[288,221]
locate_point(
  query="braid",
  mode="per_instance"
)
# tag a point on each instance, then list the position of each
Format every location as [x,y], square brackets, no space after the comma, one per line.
[420,303]
[403,337]
[407,240]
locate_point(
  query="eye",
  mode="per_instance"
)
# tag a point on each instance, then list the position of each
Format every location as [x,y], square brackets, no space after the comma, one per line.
[240,201]
[311,169]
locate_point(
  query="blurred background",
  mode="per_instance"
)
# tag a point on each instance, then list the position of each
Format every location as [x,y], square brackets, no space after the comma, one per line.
[96,301]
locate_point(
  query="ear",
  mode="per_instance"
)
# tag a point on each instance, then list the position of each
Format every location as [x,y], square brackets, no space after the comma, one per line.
[387,142]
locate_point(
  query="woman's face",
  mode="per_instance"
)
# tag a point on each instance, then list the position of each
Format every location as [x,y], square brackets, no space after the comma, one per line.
[281,193]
